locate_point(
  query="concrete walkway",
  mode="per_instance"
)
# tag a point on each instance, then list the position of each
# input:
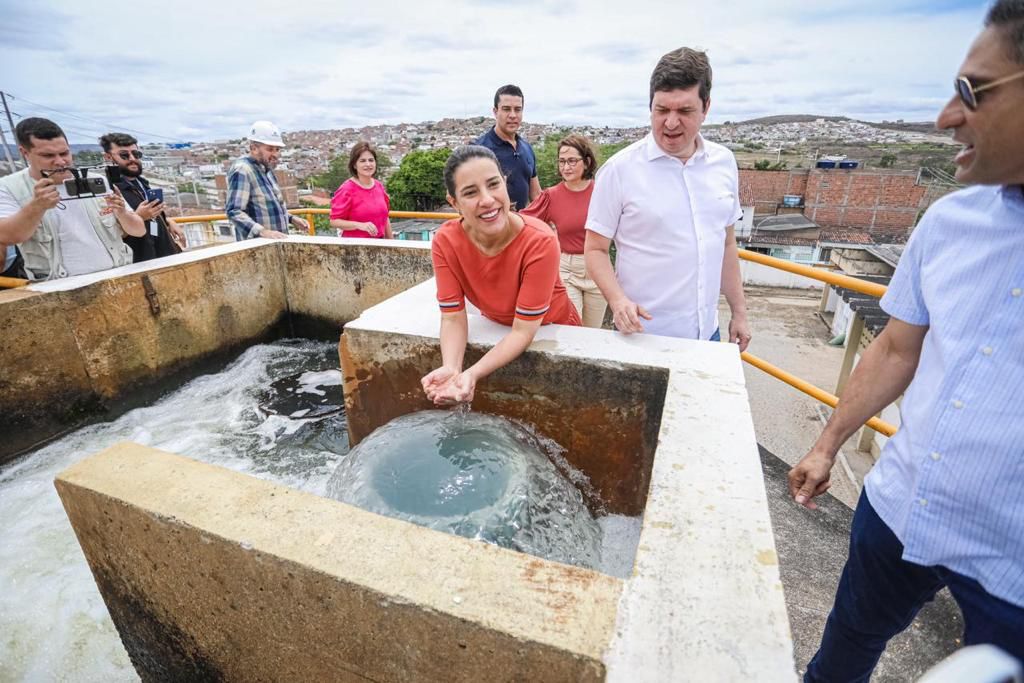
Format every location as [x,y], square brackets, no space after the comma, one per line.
[812,546]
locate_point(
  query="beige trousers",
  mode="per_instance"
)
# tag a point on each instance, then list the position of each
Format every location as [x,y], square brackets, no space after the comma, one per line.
[583,292]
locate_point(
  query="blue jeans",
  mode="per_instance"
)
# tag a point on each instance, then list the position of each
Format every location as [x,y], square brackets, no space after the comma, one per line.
[717,336]
[880,593]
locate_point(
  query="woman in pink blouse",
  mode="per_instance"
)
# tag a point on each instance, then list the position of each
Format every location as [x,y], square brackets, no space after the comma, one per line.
[360,206]
[564,208]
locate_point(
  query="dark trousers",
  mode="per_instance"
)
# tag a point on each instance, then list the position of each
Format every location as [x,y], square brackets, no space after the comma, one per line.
[880,593]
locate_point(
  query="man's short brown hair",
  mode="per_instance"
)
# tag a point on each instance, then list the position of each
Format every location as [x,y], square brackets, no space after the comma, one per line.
[681,69]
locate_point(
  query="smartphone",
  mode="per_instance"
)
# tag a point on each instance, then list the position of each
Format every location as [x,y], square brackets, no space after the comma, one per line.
[113,174]
[155,195]
[83,188]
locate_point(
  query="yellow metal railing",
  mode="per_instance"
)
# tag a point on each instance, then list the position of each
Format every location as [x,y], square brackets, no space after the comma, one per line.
[822,275]
[12,282]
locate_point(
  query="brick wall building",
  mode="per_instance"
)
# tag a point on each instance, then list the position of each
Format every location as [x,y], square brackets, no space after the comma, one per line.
[877,202]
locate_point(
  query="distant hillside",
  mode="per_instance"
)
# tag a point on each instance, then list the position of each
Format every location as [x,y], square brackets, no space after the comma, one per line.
[790,118]
[909,126]
[913,126]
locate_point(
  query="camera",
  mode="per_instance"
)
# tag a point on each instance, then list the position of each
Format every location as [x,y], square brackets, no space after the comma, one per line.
[81,186]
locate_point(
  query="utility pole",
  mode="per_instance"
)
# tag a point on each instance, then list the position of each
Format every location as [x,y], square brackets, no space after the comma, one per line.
[7,150]
[7,111]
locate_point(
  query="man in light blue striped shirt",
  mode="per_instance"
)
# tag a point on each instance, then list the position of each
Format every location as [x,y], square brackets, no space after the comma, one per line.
[944,506]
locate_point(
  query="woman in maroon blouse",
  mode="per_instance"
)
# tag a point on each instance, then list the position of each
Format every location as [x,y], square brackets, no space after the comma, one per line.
[564,208]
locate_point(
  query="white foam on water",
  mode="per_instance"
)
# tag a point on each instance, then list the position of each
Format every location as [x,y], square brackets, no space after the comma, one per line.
[53,622]
[310,382]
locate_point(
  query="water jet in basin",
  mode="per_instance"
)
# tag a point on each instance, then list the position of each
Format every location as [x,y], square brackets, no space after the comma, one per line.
[478,476]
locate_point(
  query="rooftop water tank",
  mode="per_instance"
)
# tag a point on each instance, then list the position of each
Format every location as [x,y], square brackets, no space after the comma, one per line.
[825,164]
[849,164]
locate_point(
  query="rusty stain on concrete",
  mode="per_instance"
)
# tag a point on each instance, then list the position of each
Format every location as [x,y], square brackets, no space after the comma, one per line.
[608,424]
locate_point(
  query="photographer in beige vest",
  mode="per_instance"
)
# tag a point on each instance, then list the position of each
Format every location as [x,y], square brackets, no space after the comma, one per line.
[60,236]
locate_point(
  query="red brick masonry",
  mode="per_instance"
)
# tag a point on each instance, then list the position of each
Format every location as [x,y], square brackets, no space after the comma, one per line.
[873,201]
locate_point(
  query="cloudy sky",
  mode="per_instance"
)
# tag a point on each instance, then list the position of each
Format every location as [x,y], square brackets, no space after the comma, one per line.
[192,70]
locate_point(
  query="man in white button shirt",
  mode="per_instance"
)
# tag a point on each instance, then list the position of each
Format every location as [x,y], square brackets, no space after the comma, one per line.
[669,202]
[944,505]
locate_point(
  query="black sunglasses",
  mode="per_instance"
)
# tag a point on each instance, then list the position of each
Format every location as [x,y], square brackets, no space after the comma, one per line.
[968,92]
[123,154]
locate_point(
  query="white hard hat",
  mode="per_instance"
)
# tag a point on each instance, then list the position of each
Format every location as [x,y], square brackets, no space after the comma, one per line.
[267,133]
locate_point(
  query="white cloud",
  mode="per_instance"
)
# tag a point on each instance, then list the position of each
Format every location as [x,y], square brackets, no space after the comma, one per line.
[205,70]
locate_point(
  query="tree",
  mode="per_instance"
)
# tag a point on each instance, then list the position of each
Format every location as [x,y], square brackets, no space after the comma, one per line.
[887,161]
[88,157]
[766,165]
[321,222]
[547,159]
[418,184]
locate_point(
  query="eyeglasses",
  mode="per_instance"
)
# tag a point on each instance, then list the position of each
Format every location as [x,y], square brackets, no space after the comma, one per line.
[124,154]
[968,92]
[569,162]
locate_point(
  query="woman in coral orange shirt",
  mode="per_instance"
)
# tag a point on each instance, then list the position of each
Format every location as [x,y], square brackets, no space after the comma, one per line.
[503,263]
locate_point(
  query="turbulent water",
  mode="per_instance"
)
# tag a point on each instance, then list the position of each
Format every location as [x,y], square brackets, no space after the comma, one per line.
[53,623]
[478,476]
[274,413]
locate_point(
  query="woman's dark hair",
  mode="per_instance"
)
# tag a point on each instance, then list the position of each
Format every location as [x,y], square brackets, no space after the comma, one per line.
[586,150]
[461,155]
[357,151]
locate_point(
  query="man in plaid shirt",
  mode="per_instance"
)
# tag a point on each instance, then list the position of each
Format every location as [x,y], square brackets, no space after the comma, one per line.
[254,203]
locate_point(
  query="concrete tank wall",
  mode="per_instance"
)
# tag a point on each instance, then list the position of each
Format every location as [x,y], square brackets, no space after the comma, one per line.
[77,347]
[214,575]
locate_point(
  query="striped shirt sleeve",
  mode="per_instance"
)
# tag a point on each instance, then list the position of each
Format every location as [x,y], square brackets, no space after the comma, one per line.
[450,296]
[904,299]
[239,187]
[540,273]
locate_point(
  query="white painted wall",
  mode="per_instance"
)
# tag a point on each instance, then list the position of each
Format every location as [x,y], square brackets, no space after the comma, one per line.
[758,274]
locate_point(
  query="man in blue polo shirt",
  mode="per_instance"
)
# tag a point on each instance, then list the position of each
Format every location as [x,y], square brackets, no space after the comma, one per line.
[515,155]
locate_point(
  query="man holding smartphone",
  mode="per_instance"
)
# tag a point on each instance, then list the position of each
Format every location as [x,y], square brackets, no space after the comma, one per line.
[163,236]
[60,235]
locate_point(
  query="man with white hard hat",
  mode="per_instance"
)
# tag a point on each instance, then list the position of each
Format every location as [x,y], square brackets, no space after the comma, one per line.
[255,204]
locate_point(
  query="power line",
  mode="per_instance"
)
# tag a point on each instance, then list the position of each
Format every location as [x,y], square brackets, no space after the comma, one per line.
[107,126]
[69,129]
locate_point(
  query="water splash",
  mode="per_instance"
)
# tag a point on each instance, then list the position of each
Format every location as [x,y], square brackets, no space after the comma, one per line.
[474,475]
[53,622]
